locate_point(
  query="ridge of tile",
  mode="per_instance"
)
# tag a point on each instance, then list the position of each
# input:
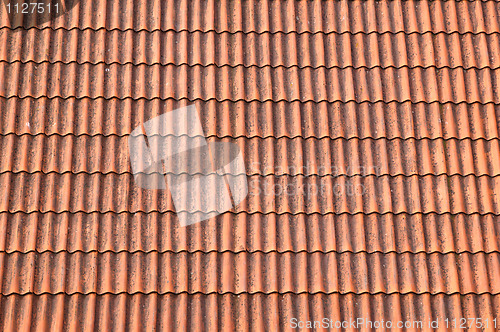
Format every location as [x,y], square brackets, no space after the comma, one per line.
[112,30]
[268,119]
[302,51]
[242,232]
[289,293]
[264,157]
[229,273]
[216,312]
[274,16]
[263,84]
[256,137]
[329,194]
[41,252]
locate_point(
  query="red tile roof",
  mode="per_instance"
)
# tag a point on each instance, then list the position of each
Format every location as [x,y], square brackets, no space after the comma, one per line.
[237,273]
[397,100]
[267,156]
[181,312]
[428,85]
[405,120]
[385,50]
[278,16]
[117,193]
[243,232]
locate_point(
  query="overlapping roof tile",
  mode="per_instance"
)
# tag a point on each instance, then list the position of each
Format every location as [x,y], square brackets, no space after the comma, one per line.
[243,232]
[455,85]
[382,116]
[409,16]
[265,156]
[243,312]
[441,50]
[68,192]
[256,119]
[236,273]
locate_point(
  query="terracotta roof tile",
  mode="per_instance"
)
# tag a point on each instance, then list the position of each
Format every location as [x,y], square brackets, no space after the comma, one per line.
[265,156]
[381,116]
[112,192]
[398,50]
[249,84]
[268,119]
[148,232]
[278,16]
[175,312]
[116,273]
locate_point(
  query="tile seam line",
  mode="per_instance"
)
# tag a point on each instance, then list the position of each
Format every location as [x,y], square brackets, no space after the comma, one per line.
[253,100]
[324,137]
[205,66]
[408,101]
[259,33]
[10,212]
[263,252]
[261,213]
[259,175]
[234,294]
[442,293]
[196,65]
[257,137]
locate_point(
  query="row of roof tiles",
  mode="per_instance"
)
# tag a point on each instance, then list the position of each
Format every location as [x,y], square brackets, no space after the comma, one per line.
[275,16]
[228,272]
[261,156]
[249,84]
[25,192]
[244,312]
[240,49]
[267,233]
[255,119]
[292,248]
